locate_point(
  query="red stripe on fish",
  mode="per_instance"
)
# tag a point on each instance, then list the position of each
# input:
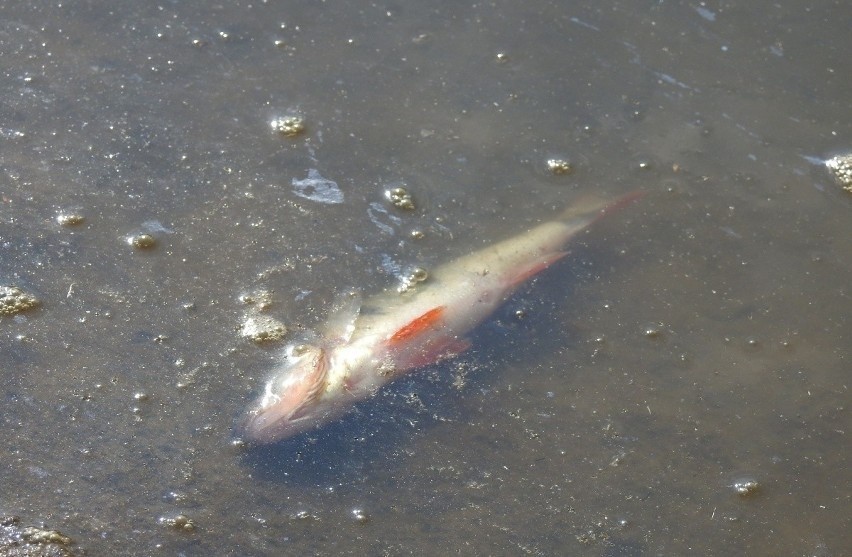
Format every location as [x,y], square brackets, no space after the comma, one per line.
[420,325]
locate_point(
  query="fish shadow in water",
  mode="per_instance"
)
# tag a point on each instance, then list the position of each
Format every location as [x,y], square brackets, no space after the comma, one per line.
[367,436]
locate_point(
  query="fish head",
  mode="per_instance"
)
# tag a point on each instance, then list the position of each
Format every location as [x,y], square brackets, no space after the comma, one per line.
[292,401]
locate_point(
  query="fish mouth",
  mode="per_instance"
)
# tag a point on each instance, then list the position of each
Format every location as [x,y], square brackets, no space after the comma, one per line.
[262,426]
[247,429]
[268,425]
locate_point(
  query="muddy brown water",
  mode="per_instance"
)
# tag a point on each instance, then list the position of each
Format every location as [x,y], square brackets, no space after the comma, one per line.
[678,385]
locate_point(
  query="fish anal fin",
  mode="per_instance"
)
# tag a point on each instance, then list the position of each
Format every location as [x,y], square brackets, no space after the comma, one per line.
[520,276]
[441,349]
[417,326]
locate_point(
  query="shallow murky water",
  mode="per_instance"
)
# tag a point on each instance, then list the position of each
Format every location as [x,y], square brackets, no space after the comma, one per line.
[678,385]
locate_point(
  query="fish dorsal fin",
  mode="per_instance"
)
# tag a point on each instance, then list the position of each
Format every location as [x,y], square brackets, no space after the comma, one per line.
[341,319]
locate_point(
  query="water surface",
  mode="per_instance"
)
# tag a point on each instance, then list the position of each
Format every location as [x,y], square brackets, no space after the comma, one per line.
[693,344]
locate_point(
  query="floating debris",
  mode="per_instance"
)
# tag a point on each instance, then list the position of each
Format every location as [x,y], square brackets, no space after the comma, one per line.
[303,515]
[146,236]
[142,241]
[746,487]
[361,516]
[288,126]
[654,330]
[412,278]
[316,188]
[262,328]
[179,522]
[379,215]
[69,218]
[31,541]
[559,167]
[14,300]
[37,535]
[418,274]
[261,299]
[840,167]
[400,198]
[595,534]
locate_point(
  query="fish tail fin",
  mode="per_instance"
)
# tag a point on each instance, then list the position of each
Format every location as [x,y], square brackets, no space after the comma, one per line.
[590,208]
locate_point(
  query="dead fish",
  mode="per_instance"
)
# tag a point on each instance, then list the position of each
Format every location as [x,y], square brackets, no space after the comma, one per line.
[365,347]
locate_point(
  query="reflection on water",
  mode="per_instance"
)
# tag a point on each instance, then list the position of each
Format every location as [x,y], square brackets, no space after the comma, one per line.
[677,385]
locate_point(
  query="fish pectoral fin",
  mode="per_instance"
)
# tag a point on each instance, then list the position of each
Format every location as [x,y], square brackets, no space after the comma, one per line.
[302,396]
[341,320]
[519,276]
